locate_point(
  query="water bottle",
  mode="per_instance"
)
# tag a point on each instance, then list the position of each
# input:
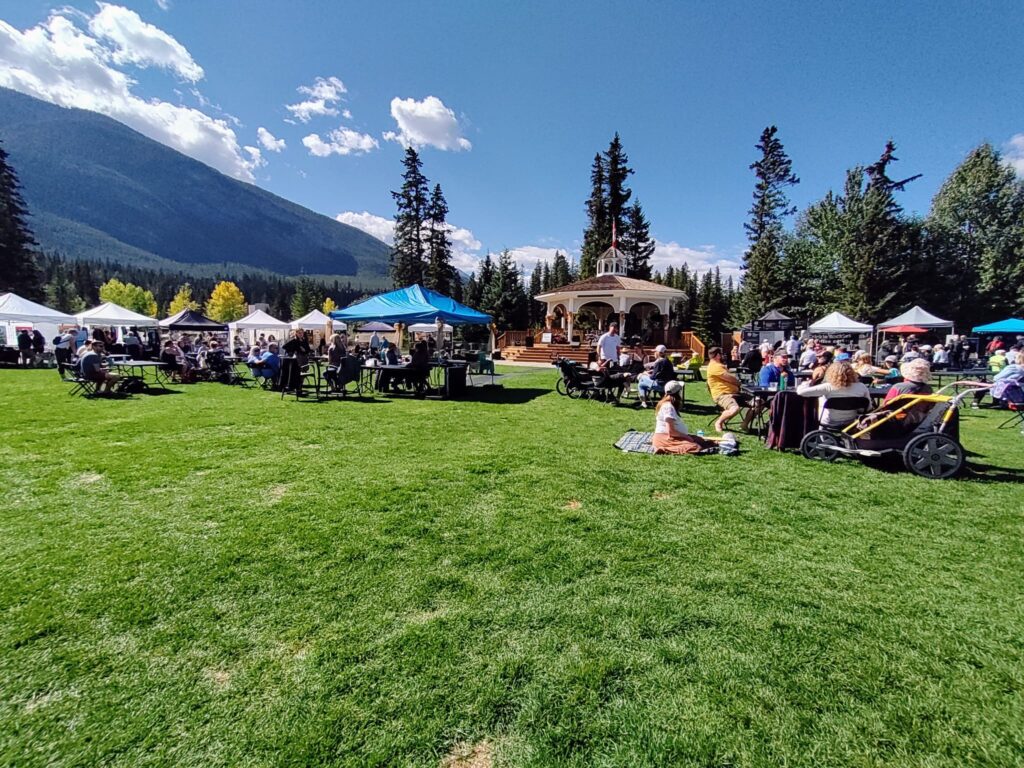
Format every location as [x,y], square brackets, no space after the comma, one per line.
[700,433]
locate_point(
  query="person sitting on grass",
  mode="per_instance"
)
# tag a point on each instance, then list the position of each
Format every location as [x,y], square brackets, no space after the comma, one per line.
[660,374]
[91,365]
[724,387]
[670,432]
[841,380]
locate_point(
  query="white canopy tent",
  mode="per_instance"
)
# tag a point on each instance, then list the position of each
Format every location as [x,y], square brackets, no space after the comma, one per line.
[837,322]
[428,328]
[916,316]
[110,314]
[317,321]
[17,312]
[255,322]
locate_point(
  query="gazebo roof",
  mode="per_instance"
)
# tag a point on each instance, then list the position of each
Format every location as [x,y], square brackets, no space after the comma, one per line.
[612,283]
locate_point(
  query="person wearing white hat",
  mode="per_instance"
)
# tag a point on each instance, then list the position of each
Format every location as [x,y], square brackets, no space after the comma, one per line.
[660,374]
[670,432]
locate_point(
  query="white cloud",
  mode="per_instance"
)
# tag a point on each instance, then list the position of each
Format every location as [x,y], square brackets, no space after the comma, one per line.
[346,114]
[164,5]
[268,141]
[340,141]
[60,63]
[142,44]
[1013,153]
[527,256]
[699,259]
[427,123]
[322,94]
[255,157]
[465,246]
[378,226]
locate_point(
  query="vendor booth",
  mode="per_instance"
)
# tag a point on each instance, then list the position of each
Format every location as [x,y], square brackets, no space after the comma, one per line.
[914,320]
[416,304]
[17,313]
[255,323]
[190,320]
[836,329]
[1012,326]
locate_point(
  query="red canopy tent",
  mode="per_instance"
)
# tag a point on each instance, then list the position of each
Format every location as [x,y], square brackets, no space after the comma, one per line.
[905,329]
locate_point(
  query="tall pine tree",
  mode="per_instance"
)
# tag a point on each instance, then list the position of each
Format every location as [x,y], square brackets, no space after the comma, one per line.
[408,252]
[441,275]
[636,243]
[618,171]
[19,272]
[774,172]
[597,235]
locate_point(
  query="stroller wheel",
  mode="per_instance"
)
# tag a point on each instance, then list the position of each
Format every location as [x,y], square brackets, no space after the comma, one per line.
[817,445]
[574,392]
[934,456]
[560,386]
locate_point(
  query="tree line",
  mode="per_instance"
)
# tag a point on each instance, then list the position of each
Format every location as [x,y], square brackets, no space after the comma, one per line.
[858,251]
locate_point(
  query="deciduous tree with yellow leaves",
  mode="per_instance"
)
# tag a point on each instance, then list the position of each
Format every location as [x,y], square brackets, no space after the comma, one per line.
[182,300]
[227,303]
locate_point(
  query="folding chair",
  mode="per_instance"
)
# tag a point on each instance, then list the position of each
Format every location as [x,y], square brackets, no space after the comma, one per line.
[1017,419]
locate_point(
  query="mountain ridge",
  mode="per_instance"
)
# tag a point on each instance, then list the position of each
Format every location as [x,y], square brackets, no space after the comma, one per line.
[99,190]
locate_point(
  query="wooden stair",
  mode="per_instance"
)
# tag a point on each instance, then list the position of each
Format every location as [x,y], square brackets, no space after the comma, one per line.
[544,353]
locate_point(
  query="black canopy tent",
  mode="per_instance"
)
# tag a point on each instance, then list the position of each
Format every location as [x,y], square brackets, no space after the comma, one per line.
[190,320]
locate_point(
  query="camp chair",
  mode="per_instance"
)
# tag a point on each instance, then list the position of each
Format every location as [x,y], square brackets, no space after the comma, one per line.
[859,404]
[483,366]
[1017,419]
[79,384]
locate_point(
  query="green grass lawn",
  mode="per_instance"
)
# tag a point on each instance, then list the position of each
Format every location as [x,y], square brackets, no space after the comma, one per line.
[224,578]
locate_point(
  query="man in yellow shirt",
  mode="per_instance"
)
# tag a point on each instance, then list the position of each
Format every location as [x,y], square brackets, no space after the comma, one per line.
[724,388]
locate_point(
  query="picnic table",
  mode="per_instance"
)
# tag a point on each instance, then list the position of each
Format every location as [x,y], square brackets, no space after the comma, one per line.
[138,368]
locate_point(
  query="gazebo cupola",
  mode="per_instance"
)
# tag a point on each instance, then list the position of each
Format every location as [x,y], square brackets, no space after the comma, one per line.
[612,262]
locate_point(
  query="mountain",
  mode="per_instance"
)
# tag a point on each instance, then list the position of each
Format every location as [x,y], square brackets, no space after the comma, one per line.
[97,189]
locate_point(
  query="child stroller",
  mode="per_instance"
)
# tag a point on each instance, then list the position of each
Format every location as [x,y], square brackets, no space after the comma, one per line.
[922,429]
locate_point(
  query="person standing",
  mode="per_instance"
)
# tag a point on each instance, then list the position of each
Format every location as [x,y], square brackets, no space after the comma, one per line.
[374,344]
[133,344]
[24,347]
[608,346]
[793,346]
[63,347]
[38,344]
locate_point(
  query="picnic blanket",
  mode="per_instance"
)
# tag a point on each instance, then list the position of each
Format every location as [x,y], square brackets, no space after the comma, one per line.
[636,442]
[642,442]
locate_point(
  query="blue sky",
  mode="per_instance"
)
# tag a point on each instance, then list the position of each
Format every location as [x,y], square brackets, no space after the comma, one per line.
[525,93]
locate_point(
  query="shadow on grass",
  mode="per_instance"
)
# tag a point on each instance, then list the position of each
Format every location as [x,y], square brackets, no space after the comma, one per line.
[499,395]
[990,473]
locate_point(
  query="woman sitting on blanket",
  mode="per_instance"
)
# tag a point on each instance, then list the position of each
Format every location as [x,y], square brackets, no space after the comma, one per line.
[670,433]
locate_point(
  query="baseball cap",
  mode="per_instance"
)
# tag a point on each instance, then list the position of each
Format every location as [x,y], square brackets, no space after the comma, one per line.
[660,348]
[673,386]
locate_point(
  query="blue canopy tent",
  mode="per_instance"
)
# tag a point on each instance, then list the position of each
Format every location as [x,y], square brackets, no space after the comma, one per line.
[413,304]
[1010,325]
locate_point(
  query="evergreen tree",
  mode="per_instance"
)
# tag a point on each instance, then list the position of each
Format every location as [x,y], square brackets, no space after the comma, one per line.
[19,272]
[618,171]
[636,243]
[182,300]
[408,253]
[441,275]
[472,293]
[560,273]
[773,171]
[536,287]
[597,235]
[227,303]
[306,298]
[61,293]
[703,316]
[975,237]
[546,278]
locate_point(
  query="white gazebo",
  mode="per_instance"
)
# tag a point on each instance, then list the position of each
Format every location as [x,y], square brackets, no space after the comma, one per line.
[610,295]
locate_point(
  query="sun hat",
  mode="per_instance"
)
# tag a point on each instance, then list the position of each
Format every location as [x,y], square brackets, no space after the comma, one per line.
[673,386]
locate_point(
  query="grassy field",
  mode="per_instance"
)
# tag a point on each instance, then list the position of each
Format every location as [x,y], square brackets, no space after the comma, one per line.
[224,578]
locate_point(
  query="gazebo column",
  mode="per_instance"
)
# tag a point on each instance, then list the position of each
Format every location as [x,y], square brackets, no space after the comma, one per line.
[569,317]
